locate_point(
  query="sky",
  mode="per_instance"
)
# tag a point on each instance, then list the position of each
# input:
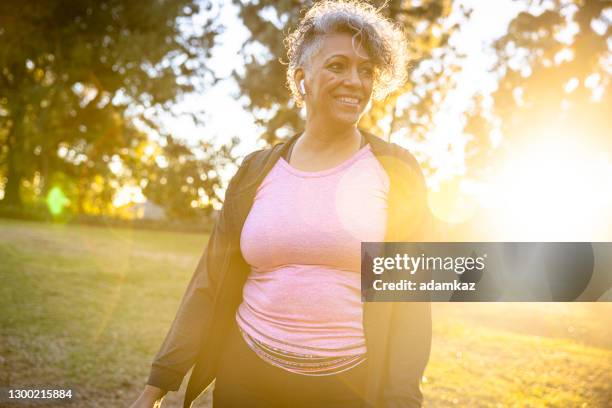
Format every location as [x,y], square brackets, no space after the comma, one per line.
[225,117]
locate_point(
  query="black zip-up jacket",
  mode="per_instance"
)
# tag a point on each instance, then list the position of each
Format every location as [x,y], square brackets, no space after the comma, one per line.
[398,335]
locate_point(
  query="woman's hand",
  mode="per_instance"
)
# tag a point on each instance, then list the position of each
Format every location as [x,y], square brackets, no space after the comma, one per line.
[150,397]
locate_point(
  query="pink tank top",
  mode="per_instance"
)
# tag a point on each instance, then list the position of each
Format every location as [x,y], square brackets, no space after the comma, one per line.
[302,239]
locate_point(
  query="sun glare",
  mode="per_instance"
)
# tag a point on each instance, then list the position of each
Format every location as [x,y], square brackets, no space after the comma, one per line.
[128,194]
[556,188]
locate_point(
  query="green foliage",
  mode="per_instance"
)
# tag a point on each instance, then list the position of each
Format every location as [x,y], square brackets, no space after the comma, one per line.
[76,74]
[185,179]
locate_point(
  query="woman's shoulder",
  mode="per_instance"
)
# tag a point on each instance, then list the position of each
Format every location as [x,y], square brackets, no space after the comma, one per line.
[261,156]
[383,148]
[252,166]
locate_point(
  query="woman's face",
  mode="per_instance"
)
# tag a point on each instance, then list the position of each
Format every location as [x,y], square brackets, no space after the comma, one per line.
[339,81]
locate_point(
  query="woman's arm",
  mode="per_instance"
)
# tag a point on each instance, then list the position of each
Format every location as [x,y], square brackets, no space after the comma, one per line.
[185,336]
[151,397]
[184,340]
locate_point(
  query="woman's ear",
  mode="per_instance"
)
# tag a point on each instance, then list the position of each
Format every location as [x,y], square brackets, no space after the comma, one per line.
[299,81]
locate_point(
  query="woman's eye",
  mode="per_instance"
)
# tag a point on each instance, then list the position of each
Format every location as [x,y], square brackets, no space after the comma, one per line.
[367,71]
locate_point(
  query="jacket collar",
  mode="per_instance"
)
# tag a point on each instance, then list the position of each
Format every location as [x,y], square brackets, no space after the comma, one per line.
[269,157]
[379,147]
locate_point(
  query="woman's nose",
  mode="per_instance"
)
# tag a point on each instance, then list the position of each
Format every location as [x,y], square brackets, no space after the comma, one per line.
[352,78]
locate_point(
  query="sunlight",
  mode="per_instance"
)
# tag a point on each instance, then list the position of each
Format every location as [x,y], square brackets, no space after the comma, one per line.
[452,201]
[556,188]
[127,195]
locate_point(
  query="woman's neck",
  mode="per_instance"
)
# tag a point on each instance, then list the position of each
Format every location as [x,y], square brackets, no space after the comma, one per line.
[322,138]
[321,148]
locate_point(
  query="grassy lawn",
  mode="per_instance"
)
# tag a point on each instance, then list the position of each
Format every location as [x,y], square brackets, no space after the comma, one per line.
[86,308]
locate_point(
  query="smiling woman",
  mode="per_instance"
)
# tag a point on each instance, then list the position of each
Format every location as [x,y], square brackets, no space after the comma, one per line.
[273,313]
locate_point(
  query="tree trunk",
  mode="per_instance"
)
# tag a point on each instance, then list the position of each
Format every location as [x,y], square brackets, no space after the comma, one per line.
[12,196]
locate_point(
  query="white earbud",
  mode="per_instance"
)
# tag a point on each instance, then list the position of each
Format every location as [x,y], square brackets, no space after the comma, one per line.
[302,89]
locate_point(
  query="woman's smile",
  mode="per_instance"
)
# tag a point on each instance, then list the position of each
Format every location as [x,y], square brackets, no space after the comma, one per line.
[348,101]
[343,72]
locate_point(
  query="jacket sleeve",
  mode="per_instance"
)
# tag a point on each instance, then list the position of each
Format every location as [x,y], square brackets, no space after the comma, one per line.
[411,326]
[410,344]
[184,340]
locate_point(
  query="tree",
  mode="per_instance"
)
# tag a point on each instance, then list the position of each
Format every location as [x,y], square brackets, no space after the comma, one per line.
[77,73]
[554,73]
[184,184]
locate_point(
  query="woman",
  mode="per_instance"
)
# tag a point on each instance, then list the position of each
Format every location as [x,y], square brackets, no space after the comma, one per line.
[273,311]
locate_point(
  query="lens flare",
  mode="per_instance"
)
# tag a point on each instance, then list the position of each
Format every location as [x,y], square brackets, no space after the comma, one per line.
[56,201]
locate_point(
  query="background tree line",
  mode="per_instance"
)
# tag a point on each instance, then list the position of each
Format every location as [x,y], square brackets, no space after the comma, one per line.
[83,84]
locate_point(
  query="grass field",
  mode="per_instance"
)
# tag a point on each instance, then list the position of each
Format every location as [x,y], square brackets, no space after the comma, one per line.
[86,308]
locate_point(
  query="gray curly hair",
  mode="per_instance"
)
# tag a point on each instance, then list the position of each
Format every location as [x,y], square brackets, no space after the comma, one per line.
[384,42]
